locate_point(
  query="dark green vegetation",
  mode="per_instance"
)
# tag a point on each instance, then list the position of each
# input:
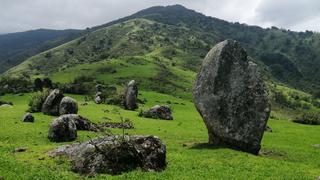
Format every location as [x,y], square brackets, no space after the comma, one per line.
[162,48]
[16,47]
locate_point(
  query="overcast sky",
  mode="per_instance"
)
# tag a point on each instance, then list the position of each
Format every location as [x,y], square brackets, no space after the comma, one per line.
[21,15]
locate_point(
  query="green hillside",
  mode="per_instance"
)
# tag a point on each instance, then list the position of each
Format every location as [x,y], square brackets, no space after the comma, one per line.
[180,37]
[17,47]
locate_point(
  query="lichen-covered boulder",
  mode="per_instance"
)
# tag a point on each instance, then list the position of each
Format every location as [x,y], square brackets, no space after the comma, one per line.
[28,118]
[62,129]
[130,96]
[231,98]
[68,106]
[52,103]
[115,155]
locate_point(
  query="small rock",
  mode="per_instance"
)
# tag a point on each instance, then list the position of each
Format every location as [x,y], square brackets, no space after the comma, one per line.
[98,98]
[268,129]
[83,104]
[6,106]
[99,87]
[316,145]
[68,106]
[28,118]
[20,149]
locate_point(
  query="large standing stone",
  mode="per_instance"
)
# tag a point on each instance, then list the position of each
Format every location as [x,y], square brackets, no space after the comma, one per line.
[115,154]
[52,103]
[63,129]
[231,98]
[68,106]
[131,93]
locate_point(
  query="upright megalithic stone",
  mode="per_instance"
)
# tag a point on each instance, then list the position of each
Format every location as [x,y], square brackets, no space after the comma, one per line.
[131,94]
[231,97]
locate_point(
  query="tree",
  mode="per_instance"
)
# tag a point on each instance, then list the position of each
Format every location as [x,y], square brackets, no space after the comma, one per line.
[38,85]
[47,83]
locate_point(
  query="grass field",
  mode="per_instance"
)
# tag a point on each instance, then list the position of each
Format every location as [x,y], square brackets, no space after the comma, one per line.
[287,152]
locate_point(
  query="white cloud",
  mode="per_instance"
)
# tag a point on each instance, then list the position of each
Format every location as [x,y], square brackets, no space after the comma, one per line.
[20,15]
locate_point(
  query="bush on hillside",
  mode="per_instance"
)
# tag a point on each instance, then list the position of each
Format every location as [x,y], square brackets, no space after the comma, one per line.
[308,118]
[36,101]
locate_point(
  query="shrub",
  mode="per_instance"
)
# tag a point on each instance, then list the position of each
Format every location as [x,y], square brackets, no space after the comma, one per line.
[36,101]
[308,118]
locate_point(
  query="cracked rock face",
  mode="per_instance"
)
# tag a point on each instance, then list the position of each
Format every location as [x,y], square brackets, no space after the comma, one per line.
[231,98]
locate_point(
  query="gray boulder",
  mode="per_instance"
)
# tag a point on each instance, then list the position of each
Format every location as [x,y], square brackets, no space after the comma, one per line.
[130,96]
[28,118]
[62,129]
[52,103]
[115,155]
[231,98]
[68,106]
[158,112]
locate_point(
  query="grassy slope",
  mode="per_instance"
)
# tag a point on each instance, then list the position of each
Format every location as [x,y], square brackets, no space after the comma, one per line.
[286,153]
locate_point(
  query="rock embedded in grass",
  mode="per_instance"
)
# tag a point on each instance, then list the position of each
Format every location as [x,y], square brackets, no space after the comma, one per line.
[28,117]
[231,98]
[52,103]
[83,123]
[158,112]
[130,95]
[62,129]
[115,155]
[68,106]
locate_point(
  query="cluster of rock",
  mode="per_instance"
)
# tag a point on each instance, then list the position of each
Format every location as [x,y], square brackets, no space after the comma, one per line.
[158,112]
[115,155]
[231,98]
[56,104]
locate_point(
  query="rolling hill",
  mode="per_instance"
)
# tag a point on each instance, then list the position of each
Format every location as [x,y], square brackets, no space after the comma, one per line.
[16,47]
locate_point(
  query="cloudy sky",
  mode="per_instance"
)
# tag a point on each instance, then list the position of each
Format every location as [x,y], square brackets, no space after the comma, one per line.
[21,15]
